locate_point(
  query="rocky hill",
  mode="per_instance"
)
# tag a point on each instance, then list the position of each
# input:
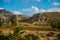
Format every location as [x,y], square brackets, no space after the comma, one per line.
[4,14]
[40,17]
[21,17]
[51,14]
[35,17]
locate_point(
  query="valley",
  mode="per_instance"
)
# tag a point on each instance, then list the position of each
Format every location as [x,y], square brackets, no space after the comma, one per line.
[45,26]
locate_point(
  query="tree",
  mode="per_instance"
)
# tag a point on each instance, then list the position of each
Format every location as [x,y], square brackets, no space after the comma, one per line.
[13,20]
[1,23]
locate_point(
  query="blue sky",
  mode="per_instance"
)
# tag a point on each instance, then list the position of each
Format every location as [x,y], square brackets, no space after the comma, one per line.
[29,7]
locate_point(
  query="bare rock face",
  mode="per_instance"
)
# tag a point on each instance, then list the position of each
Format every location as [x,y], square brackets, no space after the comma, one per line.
[52,15]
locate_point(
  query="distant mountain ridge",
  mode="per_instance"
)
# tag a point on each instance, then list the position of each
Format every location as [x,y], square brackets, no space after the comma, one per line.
[7,14]
[51,14]
[40,16]
[36,17]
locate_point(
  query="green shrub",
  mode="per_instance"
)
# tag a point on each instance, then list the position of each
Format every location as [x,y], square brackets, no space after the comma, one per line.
[58,37]
[31,37]
[55,24]
[17,30]
[58,25]
[13,20]
[1,22]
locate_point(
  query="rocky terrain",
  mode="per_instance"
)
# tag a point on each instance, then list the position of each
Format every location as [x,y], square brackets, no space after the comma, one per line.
[38,24]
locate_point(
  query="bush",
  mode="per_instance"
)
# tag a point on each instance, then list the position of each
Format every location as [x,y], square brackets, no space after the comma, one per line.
[58,25]
[13,20]
[17,30]
[2,37]
[55,24]
[1,32]
[1,22]
[58,37]
[31,37]
[10,37]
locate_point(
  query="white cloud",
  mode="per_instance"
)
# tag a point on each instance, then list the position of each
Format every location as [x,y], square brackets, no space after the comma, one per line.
[42,10]
[17,12]
[54,10]
[56,3]
[1,8]
[50,10]
[32,10]
[35,9]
